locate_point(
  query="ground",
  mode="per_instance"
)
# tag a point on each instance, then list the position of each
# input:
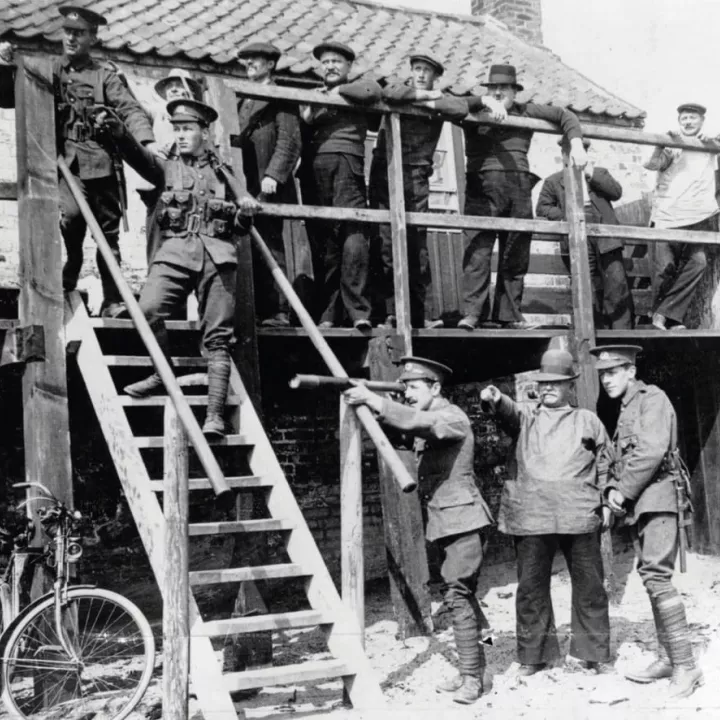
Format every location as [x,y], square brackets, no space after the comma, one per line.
[408,671]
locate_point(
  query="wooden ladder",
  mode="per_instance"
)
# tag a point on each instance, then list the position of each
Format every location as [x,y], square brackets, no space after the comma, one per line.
[211,685]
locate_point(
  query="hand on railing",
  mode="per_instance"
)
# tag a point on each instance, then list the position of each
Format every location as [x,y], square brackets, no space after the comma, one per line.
[495,108]
[578,156]
[7,53]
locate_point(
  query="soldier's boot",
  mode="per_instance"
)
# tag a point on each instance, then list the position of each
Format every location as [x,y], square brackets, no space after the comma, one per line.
[153,384]
[661,667]
[470,654]
[113,305]
[686,675]
[218,379]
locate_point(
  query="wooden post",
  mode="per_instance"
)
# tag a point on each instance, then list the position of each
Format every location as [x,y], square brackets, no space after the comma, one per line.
[351,515]
[403,525]
[176,615]
[398,228]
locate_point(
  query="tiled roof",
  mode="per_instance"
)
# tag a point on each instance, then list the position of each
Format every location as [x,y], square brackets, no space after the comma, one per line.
[212,30]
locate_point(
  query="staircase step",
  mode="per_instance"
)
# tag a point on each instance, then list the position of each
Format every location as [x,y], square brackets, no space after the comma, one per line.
[258,623]
[243,574]
[238,482]
[158,400]
[145,361]
[240,526]
[158,441]
[286,674]
[114,324]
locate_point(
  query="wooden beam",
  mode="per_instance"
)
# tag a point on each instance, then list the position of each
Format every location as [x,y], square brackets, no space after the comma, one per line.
[176,612]
[398,228]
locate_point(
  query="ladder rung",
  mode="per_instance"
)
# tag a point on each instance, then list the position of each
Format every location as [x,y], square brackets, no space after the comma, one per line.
[286,674]
[240,526]
[258,623]
[158,441]
[115,324]
[243,574]
[240,482]
[159,400]
[145,361]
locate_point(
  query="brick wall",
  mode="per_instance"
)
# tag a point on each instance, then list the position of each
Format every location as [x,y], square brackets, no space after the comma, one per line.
[523,17]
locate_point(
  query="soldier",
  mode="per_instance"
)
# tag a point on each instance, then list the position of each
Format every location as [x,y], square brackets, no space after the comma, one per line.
[612,301]
[642,489]
[499,184]
[270,142]
[554,501]
[419,136]
[456,512]
[84,89]
[193,248]
[337,158]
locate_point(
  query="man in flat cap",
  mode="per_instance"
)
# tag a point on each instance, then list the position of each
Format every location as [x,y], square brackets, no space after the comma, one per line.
[643,490]
[193,248]
[84,88]
[419,137]
[684,199]
[612,300]
[270,141]
[499,184]
[456,511]
[554,501]
[336,156]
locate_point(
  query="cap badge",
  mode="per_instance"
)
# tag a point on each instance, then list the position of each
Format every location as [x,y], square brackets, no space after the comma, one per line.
[73,16]
[605,356]
[409,367]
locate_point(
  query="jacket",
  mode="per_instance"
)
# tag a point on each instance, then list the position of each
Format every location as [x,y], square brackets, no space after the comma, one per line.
[497,148]
[646,431]
[603,189]
[270,142]
[445,447]
[558,469]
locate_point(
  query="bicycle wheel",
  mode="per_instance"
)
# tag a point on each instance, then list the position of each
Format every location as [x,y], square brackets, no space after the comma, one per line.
[114,656]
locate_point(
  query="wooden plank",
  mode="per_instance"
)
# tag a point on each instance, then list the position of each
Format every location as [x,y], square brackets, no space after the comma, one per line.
[403,527]
[159,400]
[145,361]
[287,674]
[240,526]
[158,441]
[116,324]
[243,574]
[205,670]
[240,482]
[246,347]
[352,558]
[398,228]
[176,609]
[259,623]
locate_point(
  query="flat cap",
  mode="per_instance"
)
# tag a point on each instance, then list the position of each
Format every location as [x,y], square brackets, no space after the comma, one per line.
[556,365]
[263,49]
[191,111]
[417,368]
[184,77]
[430,60]
[610,356]
[332,46]
[692,107]
[81,18]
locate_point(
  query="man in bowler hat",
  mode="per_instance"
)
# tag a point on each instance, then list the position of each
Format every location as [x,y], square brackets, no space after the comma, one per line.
[443,439]
[552,501]
[336,156]
[642,492]
[499,184]
[270,141]
[612,300]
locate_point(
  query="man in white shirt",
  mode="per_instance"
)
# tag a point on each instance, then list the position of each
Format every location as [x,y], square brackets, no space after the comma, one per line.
[684,199]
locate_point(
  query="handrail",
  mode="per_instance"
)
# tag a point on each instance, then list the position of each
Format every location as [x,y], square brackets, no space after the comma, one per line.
[202,448]
[372,427]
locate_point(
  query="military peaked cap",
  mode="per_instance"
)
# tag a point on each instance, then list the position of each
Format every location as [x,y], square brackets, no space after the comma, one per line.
[191,111]
[263,49]
[81,18]
[692,107]
[330,46]
[610,356]
[417,368]
[183,76]
[430,60]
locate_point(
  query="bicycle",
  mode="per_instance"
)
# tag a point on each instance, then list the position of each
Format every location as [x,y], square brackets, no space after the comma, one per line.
[79,652]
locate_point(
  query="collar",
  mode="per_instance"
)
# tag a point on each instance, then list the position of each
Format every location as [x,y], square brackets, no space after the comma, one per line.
[73,64]
[439,403]
[632,391]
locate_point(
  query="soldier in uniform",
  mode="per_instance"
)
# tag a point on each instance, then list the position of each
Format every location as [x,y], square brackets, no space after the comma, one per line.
[192,245]
[341,250]
[176,85]
[83,87]
[642,490]
[419,137]
[456,511]
[270,141]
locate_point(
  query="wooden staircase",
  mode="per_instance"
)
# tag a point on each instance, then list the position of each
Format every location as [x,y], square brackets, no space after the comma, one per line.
[120,416]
